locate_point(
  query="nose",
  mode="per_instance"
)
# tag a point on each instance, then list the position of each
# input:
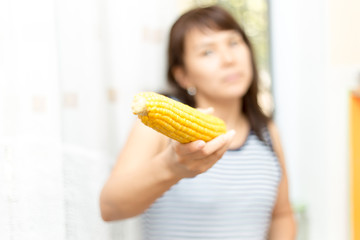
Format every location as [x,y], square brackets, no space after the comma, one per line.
[227,56]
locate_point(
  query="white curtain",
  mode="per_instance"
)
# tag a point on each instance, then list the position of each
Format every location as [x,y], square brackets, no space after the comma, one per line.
[68,71]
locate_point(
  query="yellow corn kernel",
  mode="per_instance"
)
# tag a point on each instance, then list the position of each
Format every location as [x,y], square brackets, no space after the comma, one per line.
[175,119]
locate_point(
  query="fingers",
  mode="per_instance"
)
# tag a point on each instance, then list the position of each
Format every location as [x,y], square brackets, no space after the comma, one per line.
[199,149]
[220,152]
[197,157]
[188,148]
[221,140]
[207,162]
[218,143]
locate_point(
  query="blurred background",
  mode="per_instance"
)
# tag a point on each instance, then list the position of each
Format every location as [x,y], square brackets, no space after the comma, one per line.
[69,70]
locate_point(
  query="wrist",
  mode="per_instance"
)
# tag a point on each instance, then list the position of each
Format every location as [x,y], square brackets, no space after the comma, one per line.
[167,170]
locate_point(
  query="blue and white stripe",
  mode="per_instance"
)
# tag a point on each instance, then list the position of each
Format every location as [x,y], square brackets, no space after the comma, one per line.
[232,200]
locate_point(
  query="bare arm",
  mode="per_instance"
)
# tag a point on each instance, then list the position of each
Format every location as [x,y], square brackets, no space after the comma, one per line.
[283,223]
[148,165]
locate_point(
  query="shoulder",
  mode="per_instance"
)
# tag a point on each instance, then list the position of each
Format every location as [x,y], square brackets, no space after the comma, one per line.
[275,139]
[273,130]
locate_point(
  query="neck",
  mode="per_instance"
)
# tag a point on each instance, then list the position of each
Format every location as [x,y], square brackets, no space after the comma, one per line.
[227,110]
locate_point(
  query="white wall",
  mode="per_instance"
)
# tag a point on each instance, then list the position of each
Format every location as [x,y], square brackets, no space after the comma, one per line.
[68,71]
[30,155]
[315,67]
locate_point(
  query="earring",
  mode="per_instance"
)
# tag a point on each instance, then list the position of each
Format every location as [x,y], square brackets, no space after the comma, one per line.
[191,91]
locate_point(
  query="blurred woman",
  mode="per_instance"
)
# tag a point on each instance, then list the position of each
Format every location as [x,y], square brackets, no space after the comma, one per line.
[232,187]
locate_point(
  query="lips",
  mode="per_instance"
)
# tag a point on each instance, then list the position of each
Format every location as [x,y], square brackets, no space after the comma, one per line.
[233,77]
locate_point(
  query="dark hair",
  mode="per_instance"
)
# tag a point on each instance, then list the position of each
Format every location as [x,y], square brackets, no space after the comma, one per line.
[215,18]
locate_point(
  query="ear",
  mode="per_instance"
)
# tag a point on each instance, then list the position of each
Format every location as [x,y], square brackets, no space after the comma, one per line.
[180,77]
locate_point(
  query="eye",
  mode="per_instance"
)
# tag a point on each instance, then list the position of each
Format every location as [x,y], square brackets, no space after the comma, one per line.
[207,52]
[234,42]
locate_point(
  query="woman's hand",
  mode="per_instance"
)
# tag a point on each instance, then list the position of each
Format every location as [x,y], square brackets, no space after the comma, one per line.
[191,159]
[155,169]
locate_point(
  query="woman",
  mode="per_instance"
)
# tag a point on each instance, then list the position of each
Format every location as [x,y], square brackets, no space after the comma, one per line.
[233,187]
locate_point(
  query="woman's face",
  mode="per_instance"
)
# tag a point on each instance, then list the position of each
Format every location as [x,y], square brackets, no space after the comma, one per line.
[217,63]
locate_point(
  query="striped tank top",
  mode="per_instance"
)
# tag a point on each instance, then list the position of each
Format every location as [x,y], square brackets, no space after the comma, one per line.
[232,200]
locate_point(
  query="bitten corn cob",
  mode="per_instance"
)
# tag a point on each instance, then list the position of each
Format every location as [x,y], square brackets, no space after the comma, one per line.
[175,119]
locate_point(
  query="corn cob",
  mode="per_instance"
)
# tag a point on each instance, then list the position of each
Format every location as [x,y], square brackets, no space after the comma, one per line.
[175,119]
